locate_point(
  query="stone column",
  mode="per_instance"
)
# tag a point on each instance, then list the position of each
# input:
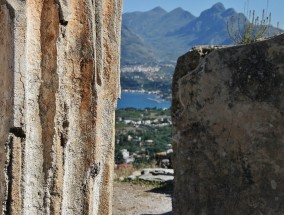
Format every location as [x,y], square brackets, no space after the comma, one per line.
[59,67]
[228,124]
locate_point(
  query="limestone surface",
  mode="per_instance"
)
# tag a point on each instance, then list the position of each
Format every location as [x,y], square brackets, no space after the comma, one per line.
[228,124]
[59,67]
[153,174]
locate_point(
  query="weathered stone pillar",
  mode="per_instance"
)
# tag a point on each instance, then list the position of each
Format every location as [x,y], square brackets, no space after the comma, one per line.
[59,68]
[228,116]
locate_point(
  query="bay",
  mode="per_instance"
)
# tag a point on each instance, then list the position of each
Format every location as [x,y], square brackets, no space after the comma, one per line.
[141,101]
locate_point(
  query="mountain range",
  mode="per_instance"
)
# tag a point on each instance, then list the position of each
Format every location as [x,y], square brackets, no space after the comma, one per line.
[157,36]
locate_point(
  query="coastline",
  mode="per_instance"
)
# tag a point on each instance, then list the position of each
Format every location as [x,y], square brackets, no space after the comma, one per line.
[161,97]
[141,99]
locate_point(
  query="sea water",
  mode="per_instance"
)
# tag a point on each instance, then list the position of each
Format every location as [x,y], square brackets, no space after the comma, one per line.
[141,101]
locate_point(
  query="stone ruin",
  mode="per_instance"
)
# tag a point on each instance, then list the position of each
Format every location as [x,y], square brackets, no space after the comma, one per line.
[228,130]
[59,68]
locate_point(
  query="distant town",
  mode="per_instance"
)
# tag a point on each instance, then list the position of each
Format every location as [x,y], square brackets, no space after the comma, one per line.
[148,79]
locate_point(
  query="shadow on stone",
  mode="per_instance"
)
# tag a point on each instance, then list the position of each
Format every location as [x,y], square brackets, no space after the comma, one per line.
[166,189]
[168,213]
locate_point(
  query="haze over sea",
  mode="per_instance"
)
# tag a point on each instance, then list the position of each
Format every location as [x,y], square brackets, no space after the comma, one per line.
[141,101]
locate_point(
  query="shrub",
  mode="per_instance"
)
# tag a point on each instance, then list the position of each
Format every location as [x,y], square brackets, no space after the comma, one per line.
[247,30]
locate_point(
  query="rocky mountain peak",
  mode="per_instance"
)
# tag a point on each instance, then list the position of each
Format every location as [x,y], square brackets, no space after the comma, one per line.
[215,9]
[167,35]
[218,7]
[158,10]
[181,13]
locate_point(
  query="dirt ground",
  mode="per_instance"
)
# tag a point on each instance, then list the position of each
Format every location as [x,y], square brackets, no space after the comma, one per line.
[130,199]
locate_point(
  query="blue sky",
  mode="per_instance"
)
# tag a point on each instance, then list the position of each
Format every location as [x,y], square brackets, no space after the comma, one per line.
[276,7]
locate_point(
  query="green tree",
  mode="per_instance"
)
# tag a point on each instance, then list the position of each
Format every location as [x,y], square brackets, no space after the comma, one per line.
[118,157]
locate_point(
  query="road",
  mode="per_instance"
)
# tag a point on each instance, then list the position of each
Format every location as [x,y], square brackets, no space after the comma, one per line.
[130,199]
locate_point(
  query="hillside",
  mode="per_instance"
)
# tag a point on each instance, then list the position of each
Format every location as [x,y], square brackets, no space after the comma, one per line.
[161,36]
[134,50]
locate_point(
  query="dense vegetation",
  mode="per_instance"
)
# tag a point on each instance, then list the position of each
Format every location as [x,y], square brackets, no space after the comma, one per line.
[136,138]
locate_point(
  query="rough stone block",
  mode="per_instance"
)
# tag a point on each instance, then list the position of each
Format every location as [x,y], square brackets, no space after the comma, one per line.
[59,68]
[228,119]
